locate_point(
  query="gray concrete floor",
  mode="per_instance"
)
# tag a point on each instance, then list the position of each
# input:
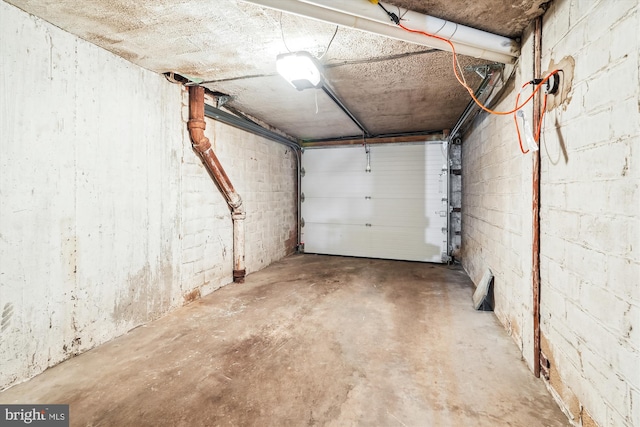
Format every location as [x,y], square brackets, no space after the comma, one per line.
[311,340]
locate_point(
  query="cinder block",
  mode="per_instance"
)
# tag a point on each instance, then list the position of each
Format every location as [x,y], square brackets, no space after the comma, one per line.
[622,125]
[604,17]
[626,360]
[571,41]
[607,88]
[622,275]
[598,57]
[566,347]
[587,132]
[621,44]
[188,241]
[616,390]
[600,303]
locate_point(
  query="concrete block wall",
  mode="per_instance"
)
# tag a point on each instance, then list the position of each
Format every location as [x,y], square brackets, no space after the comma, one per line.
[266,177]
[496,215]
[590,213]
[206,233]
[107,218]
[264,174]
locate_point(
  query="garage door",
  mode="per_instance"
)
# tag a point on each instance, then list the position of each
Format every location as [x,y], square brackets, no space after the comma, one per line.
[395,211]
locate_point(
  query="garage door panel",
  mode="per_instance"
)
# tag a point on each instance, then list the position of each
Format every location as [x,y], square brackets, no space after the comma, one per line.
[388,212]
[394,212]
[336,239]
[337,210]
[329,160]
[323,184]
[389,188]
[405,243]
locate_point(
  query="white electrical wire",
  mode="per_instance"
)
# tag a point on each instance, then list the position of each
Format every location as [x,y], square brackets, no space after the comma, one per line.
[316,94]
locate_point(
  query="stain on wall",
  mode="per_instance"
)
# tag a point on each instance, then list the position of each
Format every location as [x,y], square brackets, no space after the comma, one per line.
[88,219]
[7,314]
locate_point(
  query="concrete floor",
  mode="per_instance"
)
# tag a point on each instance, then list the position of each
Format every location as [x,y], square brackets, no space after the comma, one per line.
[311,340]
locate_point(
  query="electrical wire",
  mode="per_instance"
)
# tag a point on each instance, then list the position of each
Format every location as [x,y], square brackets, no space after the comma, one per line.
[400,14]
[391,15]
[515,120]
[459,66]
[330,41]
[458,71]
[460,80]
[282,35]
[561,149]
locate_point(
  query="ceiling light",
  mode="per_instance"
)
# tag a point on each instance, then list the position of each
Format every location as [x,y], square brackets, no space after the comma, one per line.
[300,69]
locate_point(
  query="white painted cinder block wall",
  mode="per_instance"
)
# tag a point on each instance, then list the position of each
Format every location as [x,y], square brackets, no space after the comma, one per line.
[496,215]
[590,213]
[107,217]
[264,174]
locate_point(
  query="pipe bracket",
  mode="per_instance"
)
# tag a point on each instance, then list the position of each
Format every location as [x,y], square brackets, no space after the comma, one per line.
[238,216]
[235,203]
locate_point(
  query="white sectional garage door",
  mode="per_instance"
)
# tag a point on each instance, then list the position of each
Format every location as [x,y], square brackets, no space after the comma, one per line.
[396,211]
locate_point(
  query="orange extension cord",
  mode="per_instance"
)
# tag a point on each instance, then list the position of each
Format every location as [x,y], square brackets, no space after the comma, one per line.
[488,110]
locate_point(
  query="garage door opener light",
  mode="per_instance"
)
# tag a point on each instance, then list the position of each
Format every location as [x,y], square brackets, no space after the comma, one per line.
[300,69]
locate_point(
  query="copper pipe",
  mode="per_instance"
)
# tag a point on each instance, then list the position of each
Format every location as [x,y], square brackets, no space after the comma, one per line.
[201,144]
[535,262]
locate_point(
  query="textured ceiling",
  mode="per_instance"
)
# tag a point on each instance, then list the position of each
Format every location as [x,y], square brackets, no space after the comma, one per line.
[389,85]
[506,18]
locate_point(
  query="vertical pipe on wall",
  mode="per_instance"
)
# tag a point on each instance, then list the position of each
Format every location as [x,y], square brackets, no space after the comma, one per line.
[201,144]
[238,216]
[298,154]
[535,262]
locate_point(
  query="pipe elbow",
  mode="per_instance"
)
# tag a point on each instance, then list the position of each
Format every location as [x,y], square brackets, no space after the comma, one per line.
[235,202]
[196,132]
